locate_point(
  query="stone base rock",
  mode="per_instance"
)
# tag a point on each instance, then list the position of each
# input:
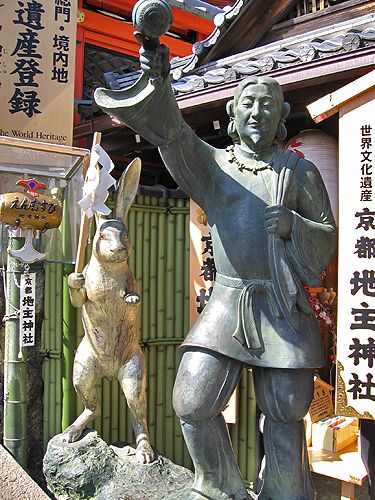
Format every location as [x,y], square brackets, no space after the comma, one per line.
[90,468]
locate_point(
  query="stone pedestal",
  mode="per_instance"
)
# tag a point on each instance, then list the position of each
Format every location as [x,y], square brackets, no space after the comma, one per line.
[90,468]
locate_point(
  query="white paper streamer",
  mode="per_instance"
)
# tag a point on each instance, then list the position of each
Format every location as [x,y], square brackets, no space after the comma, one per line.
[97,183]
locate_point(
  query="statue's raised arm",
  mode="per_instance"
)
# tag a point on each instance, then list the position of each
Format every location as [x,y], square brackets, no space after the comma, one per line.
[150,109]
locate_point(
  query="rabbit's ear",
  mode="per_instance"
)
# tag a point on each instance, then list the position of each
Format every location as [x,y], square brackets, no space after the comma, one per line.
[128,188]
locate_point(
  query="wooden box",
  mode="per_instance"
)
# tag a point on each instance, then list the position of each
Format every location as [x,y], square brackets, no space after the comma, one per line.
[334,433]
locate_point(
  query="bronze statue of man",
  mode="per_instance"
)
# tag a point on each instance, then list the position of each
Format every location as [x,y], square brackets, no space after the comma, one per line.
[273,233]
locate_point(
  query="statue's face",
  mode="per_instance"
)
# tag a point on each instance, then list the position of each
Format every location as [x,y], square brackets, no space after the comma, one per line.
[257,117]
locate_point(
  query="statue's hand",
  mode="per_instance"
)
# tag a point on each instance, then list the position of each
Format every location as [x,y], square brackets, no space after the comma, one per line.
[279,220]
[153,57]
[76,281]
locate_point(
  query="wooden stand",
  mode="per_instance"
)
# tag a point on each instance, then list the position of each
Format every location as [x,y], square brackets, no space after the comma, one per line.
[345,465]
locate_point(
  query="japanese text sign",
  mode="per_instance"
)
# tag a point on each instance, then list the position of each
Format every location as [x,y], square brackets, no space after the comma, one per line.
[202,264]
[27,309]
[355,395]
[37,56]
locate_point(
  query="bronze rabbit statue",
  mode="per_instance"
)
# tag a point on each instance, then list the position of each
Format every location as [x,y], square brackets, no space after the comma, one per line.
[107,293]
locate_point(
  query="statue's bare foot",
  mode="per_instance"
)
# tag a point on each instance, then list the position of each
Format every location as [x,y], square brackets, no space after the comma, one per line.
[72,434]
[144,453]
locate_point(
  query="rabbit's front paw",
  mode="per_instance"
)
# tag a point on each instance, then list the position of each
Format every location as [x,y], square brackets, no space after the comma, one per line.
[76,281]
[132,298]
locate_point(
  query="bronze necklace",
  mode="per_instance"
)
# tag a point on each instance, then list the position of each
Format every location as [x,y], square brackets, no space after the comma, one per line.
[241,166]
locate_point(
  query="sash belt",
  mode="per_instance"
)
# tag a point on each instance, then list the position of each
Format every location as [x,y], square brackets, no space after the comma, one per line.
[248,331]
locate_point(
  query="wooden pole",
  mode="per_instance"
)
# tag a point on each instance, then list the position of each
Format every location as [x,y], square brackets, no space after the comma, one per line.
[84,228]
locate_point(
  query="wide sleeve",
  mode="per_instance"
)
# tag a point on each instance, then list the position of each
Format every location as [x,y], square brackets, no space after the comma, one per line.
[152,112]
[313,238]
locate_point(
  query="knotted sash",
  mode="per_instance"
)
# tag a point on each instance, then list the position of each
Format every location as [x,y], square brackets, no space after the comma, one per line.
[248,331]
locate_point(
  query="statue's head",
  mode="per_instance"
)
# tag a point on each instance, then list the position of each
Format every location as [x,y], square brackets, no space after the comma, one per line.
[257,113]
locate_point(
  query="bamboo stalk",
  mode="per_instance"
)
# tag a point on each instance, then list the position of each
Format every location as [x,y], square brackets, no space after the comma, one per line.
[145,330]
[138,238]
[160,399]
[172,270]
[179,275]
[114,416]
[179,327]
[151,392]
[52,339]
[106,410]
[161,276]
[153,270]
[98,422]
[169,412]
[58,345]
[149,312]
[153,318]
[122,417]
[46,362]
[68,340]
[52,379]
[161,326]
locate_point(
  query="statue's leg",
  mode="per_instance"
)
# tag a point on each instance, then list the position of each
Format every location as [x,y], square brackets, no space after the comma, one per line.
[86,374]
[204,383]
[284,397]
[132,377]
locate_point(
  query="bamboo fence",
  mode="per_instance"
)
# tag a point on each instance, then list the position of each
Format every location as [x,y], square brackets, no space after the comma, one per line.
[160,261]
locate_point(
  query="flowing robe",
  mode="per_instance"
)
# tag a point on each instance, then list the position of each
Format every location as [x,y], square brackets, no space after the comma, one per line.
[258,312]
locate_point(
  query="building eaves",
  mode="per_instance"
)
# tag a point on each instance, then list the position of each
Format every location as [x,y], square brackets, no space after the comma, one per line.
[349,37]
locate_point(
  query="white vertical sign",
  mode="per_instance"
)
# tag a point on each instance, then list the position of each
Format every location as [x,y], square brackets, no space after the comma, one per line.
[202,263]
[27,309]
[355,394]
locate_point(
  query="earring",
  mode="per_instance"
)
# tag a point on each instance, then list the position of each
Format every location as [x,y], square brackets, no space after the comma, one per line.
[231,130]
[281,131]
